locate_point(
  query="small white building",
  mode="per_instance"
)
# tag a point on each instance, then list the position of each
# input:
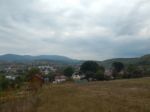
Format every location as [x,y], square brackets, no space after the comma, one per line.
[108,73]
[10,77]
[59,79]
[76,77]
[46,72]
[46,69]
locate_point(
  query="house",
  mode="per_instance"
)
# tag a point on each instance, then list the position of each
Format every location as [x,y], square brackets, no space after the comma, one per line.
[45,69]
[76,77]
[11,77]
[59,79]
[109,74]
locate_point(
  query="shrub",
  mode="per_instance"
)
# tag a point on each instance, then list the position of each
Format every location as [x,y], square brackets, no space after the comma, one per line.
[99,75]
[68,71]
[4,83]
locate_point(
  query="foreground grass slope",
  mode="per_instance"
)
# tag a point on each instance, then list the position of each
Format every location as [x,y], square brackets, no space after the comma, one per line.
[110,96]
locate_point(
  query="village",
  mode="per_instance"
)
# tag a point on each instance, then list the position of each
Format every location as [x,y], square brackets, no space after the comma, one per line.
[45,73]
[13,71]
[16,75]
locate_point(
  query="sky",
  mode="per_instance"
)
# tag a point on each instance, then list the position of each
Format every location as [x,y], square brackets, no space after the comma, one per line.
[79,29]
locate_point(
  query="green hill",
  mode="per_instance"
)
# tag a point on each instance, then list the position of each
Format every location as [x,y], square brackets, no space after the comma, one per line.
[144,60]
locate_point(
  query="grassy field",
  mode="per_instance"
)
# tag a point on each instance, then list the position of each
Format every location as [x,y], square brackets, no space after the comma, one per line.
[109,96]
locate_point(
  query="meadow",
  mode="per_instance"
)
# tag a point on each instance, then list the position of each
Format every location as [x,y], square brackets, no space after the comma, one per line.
[132,95]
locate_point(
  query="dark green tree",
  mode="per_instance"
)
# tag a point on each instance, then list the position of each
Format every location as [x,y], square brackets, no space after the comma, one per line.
[19,81]
[31,72]
[51,76]
[89,66]
[68,71]
[133,71]
[92,70]
[4,83]
[99,75]
[117,67]
[34,71]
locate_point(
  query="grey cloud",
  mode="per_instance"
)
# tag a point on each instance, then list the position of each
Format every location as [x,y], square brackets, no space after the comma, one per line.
[86,30]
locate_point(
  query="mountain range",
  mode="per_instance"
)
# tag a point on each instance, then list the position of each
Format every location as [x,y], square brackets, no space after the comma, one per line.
[24,58]
[106,63]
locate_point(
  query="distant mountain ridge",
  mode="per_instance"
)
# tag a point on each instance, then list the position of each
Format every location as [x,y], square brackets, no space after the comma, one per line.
[14,57]
[143,60]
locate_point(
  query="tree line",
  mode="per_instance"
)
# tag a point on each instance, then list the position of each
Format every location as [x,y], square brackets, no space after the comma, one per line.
[93,71]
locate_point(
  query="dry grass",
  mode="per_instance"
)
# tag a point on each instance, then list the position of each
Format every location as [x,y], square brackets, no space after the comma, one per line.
[110,96]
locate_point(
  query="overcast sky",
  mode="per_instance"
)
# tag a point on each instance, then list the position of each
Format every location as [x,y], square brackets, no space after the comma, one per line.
[81,29]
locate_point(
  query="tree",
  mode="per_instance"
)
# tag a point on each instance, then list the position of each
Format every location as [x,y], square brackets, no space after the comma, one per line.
[4,83]
[51,76]
[68,71]
[89,66]
[19,81]
[117,67]
[99,75]
[92,70]
[133,71]
[32,71]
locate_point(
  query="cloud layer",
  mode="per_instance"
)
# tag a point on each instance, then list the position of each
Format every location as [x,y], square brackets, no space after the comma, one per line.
[82,29]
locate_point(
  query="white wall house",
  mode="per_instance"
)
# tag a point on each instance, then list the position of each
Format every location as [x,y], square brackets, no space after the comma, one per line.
[59,79]
[76,77]
[10,77]
[108,73]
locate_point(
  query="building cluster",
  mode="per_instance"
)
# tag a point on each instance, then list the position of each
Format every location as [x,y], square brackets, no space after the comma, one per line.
[12,71]
[46,69]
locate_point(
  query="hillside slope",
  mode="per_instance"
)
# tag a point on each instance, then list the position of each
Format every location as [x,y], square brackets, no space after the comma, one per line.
[138,61]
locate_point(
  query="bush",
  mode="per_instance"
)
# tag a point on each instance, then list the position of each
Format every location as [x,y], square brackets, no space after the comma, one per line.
[68,71]
[4,83]
[99,75]
[117,68]
[133,71]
